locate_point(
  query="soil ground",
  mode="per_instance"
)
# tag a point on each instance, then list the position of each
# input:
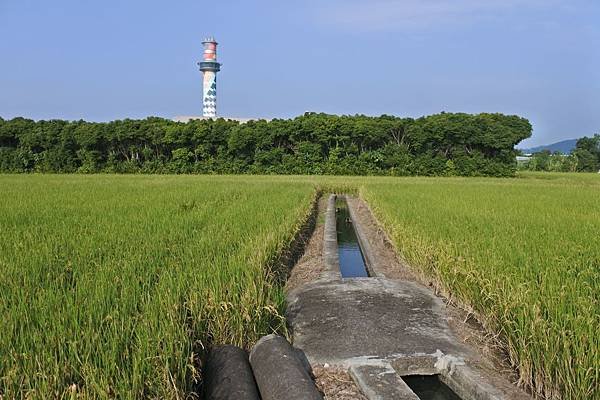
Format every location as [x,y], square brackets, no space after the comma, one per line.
[310,265]
[336,383]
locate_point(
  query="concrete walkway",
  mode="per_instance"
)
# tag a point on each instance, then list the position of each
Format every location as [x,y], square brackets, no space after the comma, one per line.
[382,329]
[348,321]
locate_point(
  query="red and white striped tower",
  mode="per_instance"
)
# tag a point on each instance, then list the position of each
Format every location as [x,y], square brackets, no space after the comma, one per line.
[209,67]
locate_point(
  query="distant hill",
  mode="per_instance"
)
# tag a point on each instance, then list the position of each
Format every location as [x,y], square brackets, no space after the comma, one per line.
[564,146]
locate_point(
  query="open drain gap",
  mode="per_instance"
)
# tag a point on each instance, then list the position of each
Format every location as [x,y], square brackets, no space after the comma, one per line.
[429,387]
[351,258]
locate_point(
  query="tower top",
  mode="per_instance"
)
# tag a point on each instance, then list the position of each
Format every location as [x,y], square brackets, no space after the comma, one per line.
[209,57]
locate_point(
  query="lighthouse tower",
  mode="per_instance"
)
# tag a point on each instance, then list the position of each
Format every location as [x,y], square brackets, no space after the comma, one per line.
[209,67]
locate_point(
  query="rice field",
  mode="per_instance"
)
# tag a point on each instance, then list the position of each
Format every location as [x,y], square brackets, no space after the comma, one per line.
[523,254]
[111,286]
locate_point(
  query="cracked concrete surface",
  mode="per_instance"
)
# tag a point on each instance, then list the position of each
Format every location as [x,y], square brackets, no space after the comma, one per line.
[337,321]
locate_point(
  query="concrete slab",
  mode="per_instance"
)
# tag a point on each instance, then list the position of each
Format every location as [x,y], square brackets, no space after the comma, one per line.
[381,383]
[472,384]
[381,330]
[349,321]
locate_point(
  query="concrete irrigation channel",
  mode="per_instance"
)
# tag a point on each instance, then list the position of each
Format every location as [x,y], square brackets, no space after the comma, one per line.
[392,335]
[389,334]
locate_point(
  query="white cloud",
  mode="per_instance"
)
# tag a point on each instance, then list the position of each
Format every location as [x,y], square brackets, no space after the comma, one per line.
[367,15]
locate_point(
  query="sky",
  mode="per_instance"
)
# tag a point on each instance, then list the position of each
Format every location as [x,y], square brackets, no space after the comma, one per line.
[114,59]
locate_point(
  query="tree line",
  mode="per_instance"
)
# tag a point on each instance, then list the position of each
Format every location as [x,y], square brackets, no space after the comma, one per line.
[584,158]
[314,143]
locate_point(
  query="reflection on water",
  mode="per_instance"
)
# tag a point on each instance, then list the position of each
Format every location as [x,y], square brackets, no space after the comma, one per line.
[352,263]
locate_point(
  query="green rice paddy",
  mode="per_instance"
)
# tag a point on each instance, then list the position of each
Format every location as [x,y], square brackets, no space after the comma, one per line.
[523,254]
[112,286]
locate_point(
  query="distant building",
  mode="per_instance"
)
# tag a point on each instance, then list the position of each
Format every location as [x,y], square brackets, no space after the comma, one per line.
[209,67]
[187,118]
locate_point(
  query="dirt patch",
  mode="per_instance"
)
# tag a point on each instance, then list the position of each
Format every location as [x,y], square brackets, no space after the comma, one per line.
[486,352]
[310,265]
[336,383]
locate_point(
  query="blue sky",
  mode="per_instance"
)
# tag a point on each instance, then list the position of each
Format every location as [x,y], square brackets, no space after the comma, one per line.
[104,60]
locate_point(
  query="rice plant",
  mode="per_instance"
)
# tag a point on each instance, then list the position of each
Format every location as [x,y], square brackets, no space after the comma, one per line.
[111,286]
[524,254]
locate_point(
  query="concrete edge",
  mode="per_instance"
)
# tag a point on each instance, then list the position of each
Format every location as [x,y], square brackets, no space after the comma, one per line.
[381,383]
[472,384]
[330,245]
[365,246]
[422,364]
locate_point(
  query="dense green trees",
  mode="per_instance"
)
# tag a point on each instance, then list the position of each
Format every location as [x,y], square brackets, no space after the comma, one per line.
[442,144]
[587,152]
[585,158]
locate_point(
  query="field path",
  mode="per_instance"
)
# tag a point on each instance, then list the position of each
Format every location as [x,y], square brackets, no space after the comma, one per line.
[381,328]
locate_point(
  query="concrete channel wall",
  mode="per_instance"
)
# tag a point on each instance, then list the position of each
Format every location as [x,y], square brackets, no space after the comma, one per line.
[365,246]
[331,258]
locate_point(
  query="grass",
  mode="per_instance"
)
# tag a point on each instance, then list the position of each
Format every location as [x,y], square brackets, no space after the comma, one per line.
[110,286]
[524,254]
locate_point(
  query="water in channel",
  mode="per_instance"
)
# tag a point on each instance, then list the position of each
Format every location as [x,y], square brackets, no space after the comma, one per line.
[429,387]
[352,263]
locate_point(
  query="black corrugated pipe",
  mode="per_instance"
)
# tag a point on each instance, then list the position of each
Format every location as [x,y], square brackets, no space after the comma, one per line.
[279,372]
[228,375]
